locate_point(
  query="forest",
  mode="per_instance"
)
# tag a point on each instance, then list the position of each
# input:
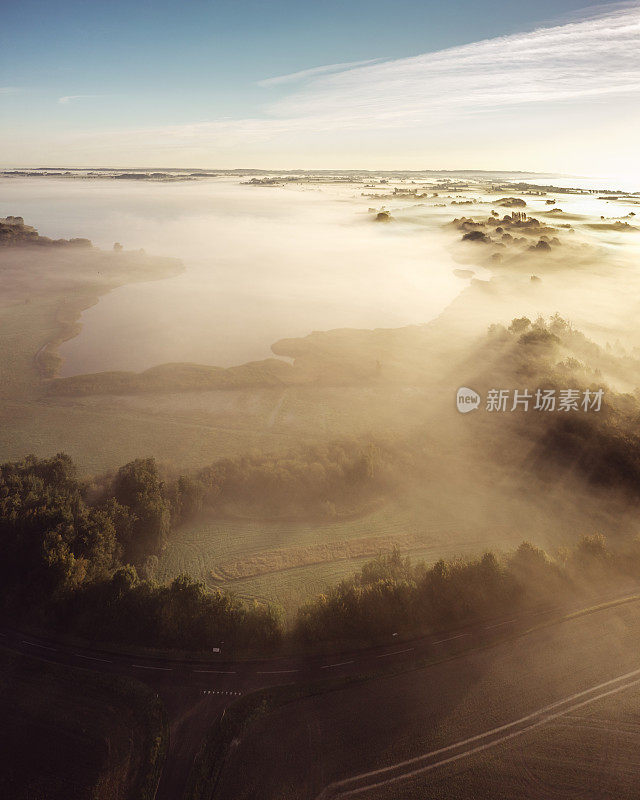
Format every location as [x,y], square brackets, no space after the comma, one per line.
[78,556]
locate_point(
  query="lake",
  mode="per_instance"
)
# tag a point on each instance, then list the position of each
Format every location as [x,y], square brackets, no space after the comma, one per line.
[261,263]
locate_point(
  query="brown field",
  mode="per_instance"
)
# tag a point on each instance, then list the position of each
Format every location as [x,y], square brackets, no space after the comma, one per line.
[299,749]
[108,732]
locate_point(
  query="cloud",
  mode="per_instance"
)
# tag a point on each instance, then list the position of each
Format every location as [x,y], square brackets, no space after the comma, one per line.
[302,75]
[9,90]
[528,76]
[70,98]
[586,59]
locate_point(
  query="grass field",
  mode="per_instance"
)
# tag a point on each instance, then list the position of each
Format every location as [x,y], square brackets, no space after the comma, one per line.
[104,436]
[24,329]
[288,563]
[68,733]
[193,429]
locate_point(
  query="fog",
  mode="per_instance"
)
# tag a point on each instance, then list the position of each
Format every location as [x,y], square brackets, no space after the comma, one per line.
[266,264]
[261,263]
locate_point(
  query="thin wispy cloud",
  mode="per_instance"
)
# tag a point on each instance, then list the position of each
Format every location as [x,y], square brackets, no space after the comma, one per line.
[594,57]
[301,75]
[9,89]
[71,98]
[597,58]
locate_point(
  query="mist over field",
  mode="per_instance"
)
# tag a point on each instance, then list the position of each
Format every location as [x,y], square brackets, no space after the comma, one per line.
[267,262]
[339,312]
[320,400]
[229,426]
[261,263]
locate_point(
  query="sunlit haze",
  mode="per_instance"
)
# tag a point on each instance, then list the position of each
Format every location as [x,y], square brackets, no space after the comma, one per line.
[319,400]
[552,87]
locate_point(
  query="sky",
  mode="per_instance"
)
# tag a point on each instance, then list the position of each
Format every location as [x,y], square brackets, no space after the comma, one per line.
[549,86]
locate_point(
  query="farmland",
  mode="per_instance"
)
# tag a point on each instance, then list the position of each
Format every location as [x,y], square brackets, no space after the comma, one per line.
[588,753]
[297,750]
[108,732]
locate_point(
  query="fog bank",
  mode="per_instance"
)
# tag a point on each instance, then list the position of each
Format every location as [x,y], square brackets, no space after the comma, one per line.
[262,263]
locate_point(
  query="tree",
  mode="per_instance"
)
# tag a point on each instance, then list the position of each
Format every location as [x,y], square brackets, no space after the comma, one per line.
[138,486]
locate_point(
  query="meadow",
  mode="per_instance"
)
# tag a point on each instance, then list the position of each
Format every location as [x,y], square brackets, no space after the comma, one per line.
[286,563]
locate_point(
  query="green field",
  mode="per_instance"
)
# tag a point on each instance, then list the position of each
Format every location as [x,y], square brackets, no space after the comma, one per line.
[288,563]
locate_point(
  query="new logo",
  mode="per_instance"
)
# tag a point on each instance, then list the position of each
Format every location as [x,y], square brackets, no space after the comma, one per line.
[467,400]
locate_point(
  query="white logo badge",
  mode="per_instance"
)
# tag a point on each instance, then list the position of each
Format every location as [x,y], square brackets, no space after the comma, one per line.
[467,400]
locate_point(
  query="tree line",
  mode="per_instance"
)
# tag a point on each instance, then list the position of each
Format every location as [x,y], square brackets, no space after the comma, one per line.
[78,555]
[79,563]
[319,481]
[392,595]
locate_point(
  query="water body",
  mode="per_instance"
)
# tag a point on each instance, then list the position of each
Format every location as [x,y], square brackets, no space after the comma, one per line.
[262,263]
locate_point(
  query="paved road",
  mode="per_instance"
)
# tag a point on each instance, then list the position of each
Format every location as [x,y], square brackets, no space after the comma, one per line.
[196,691]
[236,677]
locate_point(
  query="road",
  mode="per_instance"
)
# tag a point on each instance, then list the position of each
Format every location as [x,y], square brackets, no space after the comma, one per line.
[196,691]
